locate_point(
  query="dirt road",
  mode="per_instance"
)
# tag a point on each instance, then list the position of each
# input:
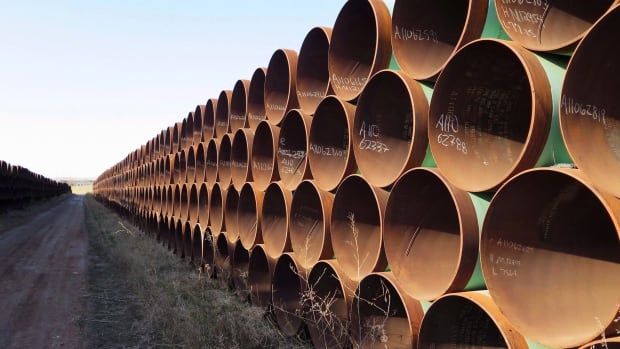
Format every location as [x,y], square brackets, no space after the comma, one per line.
[42,278]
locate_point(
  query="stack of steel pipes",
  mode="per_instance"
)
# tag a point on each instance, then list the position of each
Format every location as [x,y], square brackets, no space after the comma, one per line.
[443,173]
[18,186]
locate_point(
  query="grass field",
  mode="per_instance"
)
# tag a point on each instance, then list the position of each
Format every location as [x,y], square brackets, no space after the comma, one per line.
[140,295]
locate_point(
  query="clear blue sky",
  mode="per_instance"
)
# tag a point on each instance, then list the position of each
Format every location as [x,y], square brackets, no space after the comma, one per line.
[84,82]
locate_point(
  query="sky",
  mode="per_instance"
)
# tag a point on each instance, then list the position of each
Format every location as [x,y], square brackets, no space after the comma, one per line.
[83,83]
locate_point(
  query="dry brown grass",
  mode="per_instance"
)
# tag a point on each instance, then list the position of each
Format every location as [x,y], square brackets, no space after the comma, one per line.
[162,301]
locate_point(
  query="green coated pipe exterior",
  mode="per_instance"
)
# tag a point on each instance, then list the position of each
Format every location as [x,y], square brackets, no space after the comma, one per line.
[555,152]
[481,206]
[492,28]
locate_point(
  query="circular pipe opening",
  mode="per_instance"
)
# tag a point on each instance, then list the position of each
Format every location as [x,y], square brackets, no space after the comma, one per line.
[357,227]
[199,115]
[292,155]
[188,134]
[240,157]
[238,105]
[491,122]
[360,46]
[182,137]
[182,167]
[177,168]
[589,108]
[190,174]
[310,227]
[327,310]
[222,114]
[169,201]
[382,315]
[222,260]
[248,215]
[548,233]
[432,242]
[288,285]
[230,214]
[197,246]
[208,251]
[240,264]
[312,70]
[280,85]
[209,119]
[264,165]
[211,162]
[555,26]
[260,268]
[275,219]
[201,166]
[390,131]
[176,201]
[224,170]
[330,156]
[184,206]
[187,242]
[178,239]
[467,320]
[176,137]
[216,209]
[203,205]
[425,34]
[256,98]
[193,207]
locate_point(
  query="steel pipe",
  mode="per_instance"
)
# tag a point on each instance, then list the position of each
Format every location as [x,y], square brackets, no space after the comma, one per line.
[208,252]
[383,315]
[431,243]
[425,34]
[589,108]
[193,207]
[223,267]
[190,165]
[222,114]
[201,162]
[256,98]
[239,105]
[468,319]
[292,154]
[484,128]
[231,205]
[224,171]
[357,227]
[211,162]
[216,209]
[312,69]
[208,130]
[360,46]
[260,272]
[549,233]
[249,215]
[203,205]
[264,147]
[552,26]
[241,157]
[310,233]
[275,215]
[331,156]
[240,263]
[390,130]
[198,126]
[280,85]
[289,284]
[326,311]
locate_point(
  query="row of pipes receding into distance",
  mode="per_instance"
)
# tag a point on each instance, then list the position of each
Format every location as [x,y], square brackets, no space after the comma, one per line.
[18,186]
[445,174]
